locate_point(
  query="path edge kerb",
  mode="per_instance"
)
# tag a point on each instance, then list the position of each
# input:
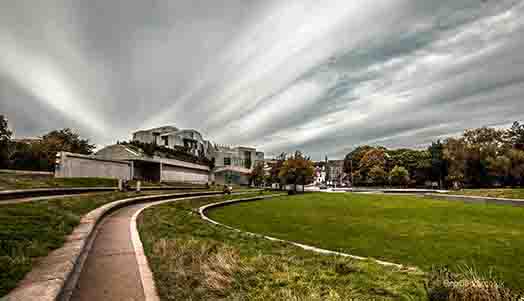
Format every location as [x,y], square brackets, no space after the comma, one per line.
[202,211]
[146,275]
[475,199]
[56,275]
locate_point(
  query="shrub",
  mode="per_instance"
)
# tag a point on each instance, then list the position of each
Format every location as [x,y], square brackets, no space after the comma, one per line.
[443,285]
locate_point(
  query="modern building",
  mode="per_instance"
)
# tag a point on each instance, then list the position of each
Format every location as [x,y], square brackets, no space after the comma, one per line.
[232,164]
[155,169]
[172,137]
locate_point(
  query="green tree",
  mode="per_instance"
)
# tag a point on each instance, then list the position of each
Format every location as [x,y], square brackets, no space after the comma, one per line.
[276,167]
[257,176]
[353,158]
[439,170]
[373,157]
[297,170]
[517,166]
[399,176]
[455,153]
[378,175]
[499,167]
[66,140]
[515,135]
[5,141]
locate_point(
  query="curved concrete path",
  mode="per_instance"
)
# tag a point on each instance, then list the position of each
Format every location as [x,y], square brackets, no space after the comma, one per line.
[116,267]
[111,269]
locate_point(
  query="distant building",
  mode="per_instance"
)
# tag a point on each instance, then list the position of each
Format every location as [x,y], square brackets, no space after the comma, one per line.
[232,164]
[330,172]
[170,137]
[28,140]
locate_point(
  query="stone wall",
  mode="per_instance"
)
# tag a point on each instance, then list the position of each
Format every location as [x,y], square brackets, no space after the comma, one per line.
[81,166]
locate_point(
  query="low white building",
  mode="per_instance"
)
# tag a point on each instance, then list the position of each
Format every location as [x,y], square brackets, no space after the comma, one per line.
[232,164]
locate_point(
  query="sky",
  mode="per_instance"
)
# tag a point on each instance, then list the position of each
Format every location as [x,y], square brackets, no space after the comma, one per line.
[318,76]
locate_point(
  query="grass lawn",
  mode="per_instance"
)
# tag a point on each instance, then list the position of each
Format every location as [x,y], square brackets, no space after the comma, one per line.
[194,260]
[23,181]
[510,193]
[402,229]
[32,230]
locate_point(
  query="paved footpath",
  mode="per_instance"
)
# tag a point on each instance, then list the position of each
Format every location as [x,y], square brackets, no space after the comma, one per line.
[111,270]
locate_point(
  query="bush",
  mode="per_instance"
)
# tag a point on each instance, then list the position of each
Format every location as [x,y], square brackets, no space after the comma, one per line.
[399,176]
[443,285]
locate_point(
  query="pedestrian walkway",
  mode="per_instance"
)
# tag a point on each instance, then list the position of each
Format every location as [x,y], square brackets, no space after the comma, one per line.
[111,270]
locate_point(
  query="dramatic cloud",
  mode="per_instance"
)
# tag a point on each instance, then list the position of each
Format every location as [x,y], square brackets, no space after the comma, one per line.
[281,75]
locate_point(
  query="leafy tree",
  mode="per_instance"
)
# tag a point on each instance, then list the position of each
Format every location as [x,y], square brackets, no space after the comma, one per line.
[417,162]
[66,140]
[258,173]
[515,135]
[41,155]
[439,168]
[297,169]
[274,173]
[455,153]
[517,166]
[373,157]
[5,141]
[485,136]
[499,167]
[378,175]
[399,176]
[353,158]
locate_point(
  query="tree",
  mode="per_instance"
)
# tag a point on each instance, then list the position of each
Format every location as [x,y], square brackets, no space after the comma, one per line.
[399,176]
[499,167]
[276,167]
[417,162]
[258,173]
[517,166]
[515,135]
[456,154]
[66,140]
[373,157]
[438,163]
[5,141]
[378,175]
[297,169]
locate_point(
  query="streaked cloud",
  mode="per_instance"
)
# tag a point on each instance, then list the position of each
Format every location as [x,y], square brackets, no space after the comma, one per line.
[281,75]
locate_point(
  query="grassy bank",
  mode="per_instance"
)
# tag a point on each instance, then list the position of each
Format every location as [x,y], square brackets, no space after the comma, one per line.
[193,260]
[403,229]
[10,181]
[32,230]
[509,193]
[22,181]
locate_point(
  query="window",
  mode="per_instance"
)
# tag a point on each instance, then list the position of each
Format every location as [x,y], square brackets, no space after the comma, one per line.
[227,161]
[165,139]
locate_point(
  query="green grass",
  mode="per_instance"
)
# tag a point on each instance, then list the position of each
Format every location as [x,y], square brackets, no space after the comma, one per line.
[510,193]
[402,229]
[31,230]
[10,181]
[194,260]
[20,181]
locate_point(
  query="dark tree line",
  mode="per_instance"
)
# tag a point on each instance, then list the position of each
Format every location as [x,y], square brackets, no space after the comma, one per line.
[39,154]
[483,157]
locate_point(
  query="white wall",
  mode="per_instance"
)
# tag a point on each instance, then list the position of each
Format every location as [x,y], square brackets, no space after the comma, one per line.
[181,174]
[80,166]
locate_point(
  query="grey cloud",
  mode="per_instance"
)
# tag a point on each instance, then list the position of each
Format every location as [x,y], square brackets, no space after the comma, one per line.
[281,75]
